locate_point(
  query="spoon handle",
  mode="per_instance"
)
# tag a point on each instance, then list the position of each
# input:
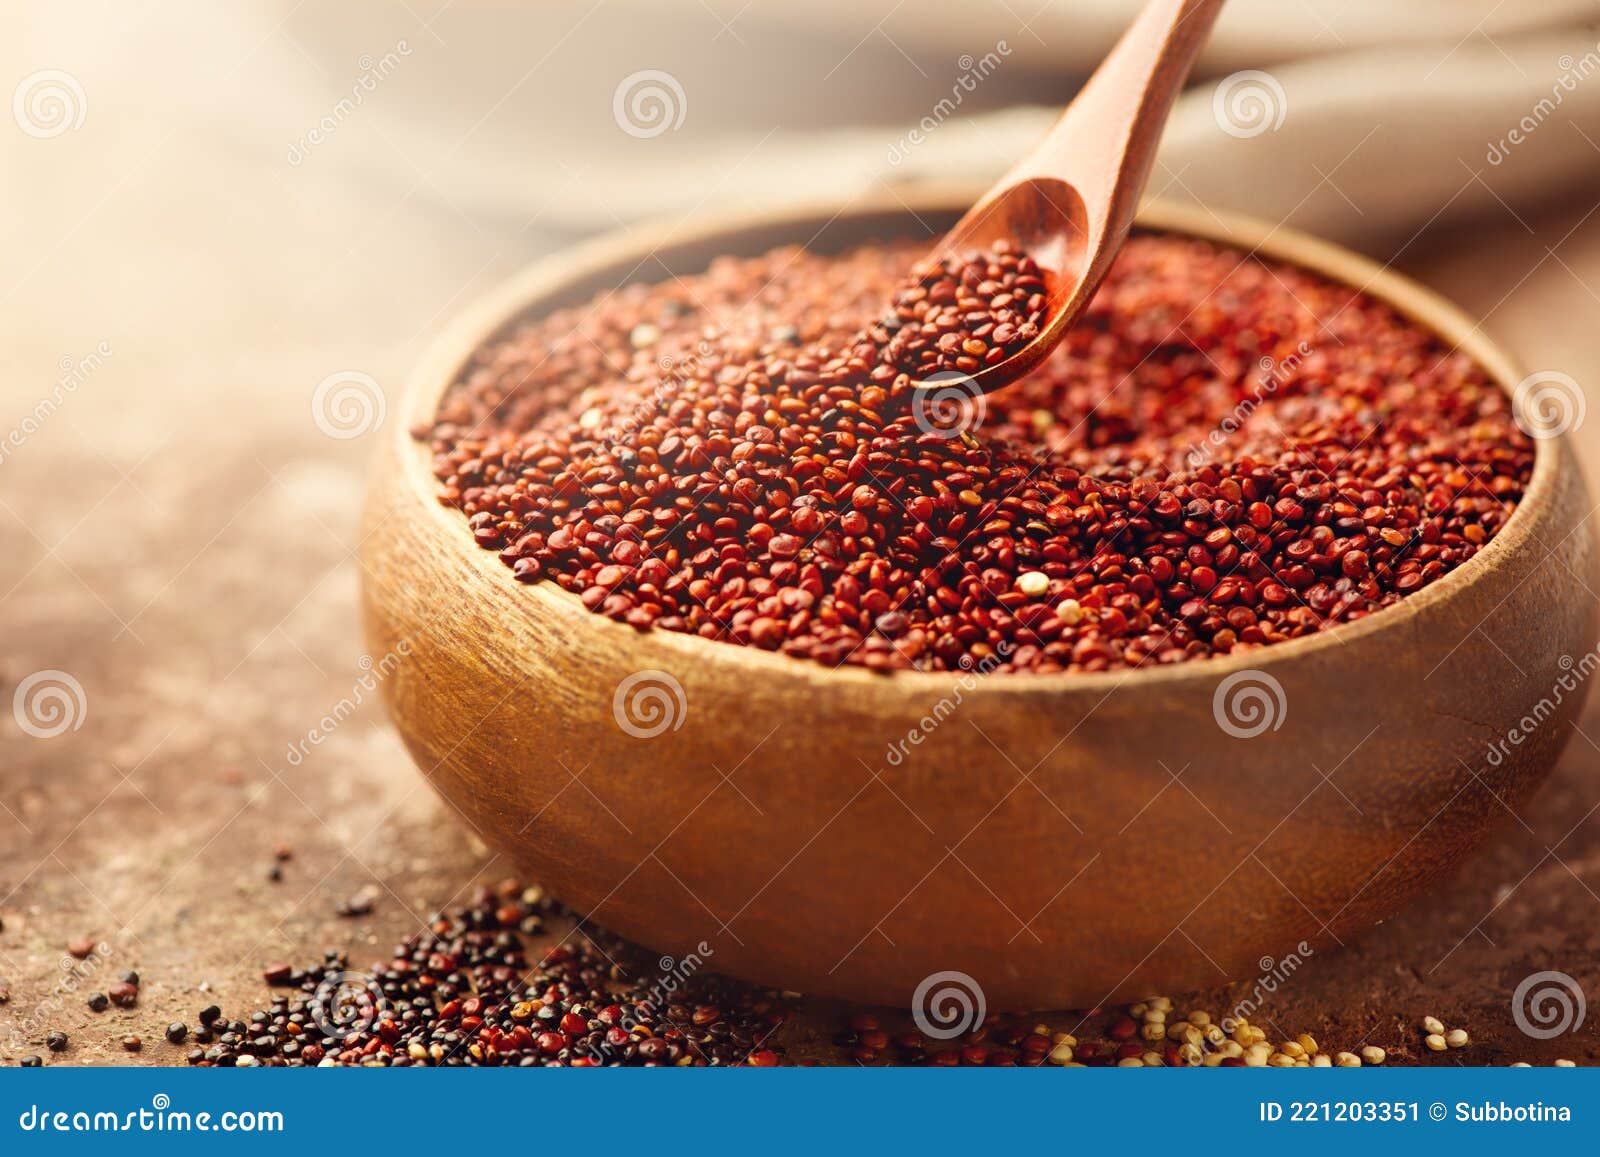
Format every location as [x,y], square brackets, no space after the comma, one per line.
[1105,142]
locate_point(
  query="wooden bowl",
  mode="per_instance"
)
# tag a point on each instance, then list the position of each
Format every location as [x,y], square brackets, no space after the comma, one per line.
[1064,840]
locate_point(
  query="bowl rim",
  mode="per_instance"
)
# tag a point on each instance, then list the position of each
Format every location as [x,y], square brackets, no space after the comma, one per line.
[520,295]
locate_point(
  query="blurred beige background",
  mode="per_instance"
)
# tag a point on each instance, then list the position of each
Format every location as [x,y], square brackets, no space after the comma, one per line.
[201,221]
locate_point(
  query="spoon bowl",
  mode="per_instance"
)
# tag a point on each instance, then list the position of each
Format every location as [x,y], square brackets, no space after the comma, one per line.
[1058,840]
[1047,219]
[1070,202]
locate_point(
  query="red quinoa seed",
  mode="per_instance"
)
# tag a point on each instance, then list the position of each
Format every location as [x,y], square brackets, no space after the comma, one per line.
[1224,454]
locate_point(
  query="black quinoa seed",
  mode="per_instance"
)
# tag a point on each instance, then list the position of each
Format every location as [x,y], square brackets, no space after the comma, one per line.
[464,992]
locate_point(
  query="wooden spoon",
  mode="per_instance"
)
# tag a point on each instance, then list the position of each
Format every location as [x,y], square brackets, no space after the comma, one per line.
[1069,203]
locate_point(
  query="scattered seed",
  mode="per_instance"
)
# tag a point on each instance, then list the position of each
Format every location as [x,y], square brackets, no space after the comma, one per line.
[360,903]
[463,992]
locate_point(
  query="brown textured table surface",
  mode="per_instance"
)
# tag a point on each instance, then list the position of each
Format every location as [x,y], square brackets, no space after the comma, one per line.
[176,534]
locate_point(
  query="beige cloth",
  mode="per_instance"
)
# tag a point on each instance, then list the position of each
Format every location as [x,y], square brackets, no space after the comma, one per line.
[1381,117]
